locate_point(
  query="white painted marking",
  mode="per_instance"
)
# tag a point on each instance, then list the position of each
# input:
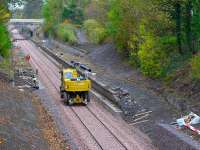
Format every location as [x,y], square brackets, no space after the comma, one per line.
[139,114]
[142,117]
[139,122]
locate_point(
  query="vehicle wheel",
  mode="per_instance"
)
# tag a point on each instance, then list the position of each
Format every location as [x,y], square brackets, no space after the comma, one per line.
[70,102]
[85,102]
[62,95]
[88,97]
[65,96]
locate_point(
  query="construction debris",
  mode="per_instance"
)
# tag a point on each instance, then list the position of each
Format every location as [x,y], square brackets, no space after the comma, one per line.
[25,76]
[189,120]
[29,76]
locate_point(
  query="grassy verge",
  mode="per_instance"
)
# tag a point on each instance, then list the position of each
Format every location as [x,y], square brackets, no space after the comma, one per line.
[5,67]
[95,31]
[66,33]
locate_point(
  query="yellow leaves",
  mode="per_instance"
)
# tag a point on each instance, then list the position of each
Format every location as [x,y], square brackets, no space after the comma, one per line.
[95,31]
[4,14]
[153,59]
[66,21]
[4,17]
[2,141]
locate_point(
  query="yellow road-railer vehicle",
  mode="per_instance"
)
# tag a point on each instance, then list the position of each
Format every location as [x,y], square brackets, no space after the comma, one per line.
[74,88]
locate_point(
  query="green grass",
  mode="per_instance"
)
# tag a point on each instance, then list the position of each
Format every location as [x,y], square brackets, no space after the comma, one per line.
[95,31]
[5,66]
[66,33]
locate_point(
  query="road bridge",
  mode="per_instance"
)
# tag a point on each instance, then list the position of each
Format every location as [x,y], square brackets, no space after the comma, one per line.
[33,26]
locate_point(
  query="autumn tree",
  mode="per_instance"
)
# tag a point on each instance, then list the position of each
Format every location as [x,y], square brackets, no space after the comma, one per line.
[5,43]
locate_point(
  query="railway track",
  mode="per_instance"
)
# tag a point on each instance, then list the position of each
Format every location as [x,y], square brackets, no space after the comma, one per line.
[102,133]
[80,113]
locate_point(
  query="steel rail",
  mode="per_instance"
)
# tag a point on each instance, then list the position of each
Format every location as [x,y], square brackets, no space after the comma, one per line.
[51,59]
[78,116]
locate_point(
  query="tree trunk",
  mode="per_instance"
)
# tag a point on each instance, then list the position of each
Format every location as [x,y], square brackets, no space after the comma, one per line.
[189,26]
[178,27]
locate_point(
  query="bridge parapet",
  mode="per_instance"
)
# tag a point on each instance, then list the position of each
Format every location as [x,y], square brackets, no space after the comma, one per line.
[32,27]
[26,21]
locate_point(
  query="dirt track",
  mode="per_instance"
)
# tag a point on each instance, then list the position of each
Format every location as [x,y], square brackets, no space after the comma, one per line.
[24,122]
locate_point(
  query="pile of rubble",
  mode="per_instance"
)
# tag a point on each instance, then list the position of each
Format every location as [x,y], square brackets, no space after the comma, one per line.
[126,103]
[28,77]
[24,75]
[190,121]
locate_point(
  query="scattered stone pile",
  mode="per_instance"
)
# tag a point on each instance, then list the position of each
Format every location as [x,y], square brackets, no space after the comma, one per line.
[126,103]
[24,75]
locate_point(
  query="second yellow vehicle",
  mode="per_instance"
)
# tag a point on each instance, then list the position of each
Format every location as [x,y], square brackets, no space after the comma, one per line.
[74,88]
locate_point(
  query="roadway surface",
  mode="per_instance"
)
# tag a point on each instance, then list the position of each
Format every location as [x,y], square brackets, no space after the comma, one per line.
[91,127]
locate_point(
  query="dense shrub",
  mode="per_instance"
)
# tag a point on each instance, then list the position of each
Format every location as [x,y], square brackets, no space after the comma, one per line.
[153,63]
[66,33]
[134,59]
[95,31]
[153,60]
[195,63]
[73,12]
[5,42]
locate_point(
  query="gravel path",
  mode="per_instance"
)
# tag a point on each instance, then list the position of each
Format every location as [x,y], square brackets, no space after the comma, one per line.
[18,121]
